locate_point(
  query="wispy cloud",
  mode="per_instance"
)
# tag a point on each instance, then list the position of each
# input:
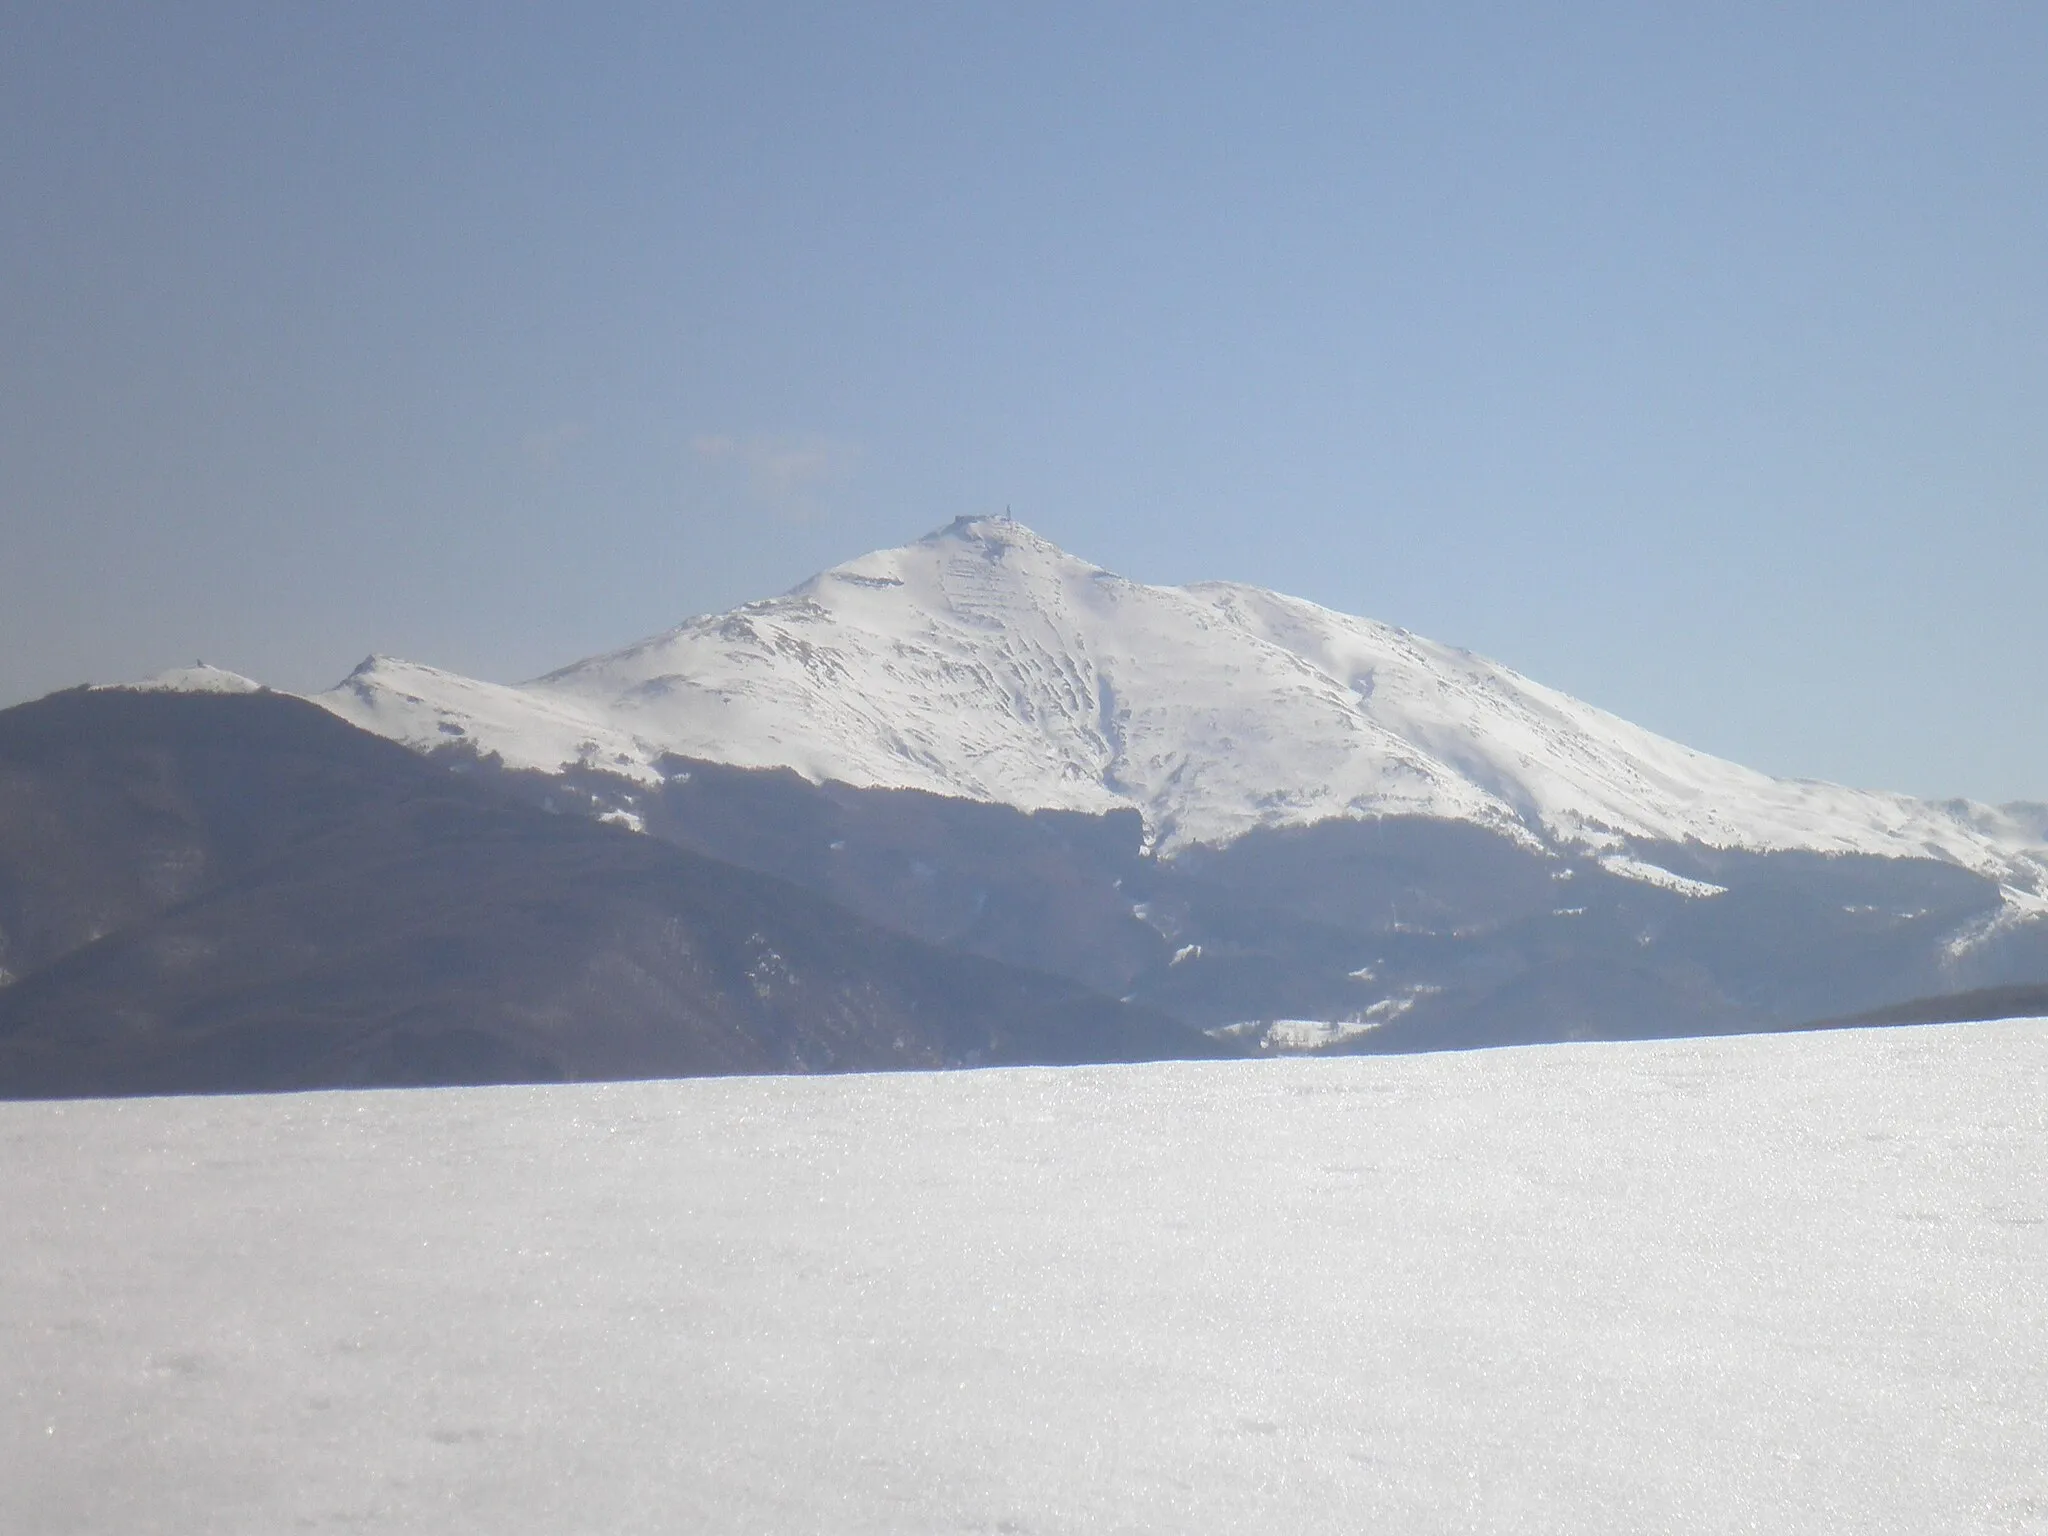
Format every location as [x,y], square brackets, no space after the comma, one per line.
[789,475]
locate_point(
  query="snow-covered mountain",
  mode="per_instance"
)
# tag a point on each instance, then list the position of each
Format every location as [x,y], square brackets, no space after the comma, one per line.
[984,662]
[197,678]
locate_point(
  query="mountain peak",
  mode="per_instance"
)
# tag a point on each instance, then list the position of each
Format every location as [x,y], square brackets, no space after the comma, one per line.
[197,678]
[985,662]
[994,537]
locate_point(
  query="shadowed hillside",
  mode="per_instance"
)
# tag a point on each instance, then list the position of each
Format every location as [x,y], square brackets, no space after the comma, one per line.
[214,893]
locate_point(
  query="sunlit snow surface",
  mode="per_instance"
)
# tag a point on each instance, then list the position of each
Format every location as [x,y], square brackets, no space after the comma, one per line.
[199,678]
[986,663]
[1793,1283]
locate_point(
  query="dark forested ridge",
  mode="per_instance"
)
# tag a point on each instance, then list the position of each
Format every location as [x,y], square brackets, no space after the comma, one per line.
[1435,934]
[1974,1007]
[206,892]
[240,892]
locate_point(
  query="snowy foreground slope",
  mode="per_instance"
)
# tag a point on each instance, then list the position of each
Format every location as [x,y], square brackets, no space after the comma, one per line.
[984,662]
[1787,1283]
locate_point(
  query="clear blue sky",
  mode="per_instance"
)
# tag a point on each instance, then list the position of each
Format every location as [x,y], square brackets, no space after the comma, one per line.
[1691,359]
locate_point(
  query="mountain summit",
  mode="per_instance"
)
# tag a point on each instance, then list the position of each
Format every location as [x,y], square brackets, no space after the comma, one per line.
[984,662]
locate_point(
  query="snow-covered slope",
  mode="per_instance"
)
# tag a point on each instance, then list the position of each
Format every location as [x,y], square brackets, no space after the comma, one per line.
[198,678]
[985,662]
[1787,1283]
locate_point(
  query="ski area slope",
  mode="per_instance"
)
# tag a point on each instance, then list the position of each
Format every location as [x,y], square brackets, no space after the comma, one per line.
[1777,1283]
[984,662]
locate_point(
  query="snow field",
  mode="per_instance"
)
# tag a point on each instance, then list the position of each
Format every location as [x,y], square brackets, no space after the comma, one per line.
[1780,1283]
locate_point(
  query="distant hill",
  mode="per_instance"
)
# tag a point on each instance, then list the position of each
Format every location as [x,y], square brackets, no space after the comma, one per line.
[205,892]
[2022,1002]
[1397,933]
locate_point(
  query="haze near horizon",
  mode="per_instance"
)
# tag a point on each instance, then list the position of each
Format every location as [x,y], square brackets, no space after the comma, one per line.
[1691,365]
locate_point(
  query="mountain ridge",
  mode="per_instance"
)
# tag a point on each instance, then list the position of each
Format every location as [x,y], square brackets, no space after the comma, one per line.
[984,662]
[231,890]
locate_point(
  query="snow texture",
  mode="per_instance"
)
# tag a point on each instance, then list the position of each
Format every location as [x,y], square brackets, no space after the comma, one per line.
[984,662]
[1650,874]
[1315,1034]
[199,678]
[1783,1283]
